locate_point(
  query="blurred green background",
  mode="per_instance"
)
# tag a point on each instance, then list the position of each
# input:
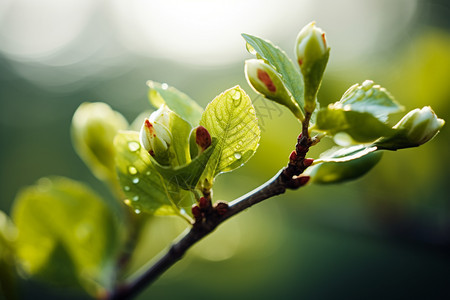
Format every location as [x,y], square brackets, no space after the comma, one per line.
[386,235]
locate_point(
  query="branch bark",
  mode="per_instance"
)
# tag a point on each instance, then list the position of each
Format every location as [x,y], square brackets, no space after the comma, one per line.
[273,187]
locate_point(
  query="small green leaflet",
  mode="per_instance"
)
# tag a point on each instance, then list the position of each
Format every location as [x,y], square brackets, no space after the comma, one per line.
[371,98]
[177,101]
[278,59]
[343,164]
[362,113]
[145,188]
[230,118]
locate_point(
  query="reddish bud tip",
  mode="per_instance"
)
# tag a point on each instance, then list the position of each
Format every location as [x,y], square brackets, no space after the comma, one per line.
[265,78]
[293,156]
[221,208]
[196,212]
[202,137]
[204,203]
[307,162]
[302,180]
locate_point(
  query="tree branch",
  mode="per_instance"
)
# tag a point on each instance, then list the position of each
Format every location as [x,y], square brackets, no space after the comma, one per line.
[150,272]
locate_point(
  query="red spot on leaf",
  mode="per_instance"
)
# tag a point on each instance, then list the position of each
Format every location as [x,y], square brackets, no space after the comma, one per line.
[265,78]
[151,153]
[300,61]
[149,126]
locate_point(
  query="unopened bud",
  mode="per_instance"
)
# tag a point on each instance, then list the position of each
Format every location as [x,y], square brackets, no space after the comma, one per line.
[266,81]
[307,162]
[297,182]
[196,212]
[202,138]
[221,208]
[204,203]
[156,139]
[312,56]
[414,129]
[293,157]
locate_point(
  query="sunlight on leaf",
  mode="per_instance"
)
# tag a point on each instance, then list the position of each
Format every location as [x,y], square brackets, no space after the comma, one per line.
[231,118]
[146,190]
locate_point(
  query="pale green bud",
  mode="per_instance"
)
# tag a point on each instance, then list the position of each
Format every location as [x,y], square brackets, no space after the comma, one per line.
[265,80]
[155,136]
[414,129]
[312,56]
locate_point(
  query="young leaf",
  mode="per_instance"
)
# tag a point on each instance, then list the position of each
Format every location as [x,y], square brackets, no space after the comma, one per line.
[344,164]
[186,176]
[66,231]
[363,127]
[94,126]
[144,187]
[177,101]
[230,118]
[371,98]
[362,113]
[278,59]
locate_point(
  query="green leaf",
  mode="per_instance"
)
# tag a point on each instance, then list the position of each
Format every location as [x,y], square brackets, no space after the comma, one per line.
[230,118]
[278,59]
[177,101]
[8,278]
[146,189]
[371,98]
[66,232]
[344,164]
[363,127]
[186,176]
[94,126]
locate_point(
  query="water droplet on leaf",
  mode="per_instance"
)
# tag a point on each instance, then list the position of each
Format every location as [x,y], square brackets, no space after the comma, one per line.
[126,188]
[137,211]
[237,155]
[164,86]
[132,170]
[135,198]
[133,146]
[135,180]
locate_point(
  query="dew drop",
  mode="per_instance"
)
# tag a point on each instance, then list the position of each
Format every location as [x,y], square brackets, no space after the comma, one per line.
[164,86]
[135,198]
[132,170]
[366,85]
[126,188]
[137,211]
[148,173]
[133,146]
[237,155]
[236,95]
[135,180]
[127,202]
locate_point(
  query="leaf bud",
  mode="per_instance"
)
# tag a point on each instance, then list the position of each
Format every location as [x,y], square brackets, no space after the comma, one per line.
[156,139]
[312,56]
[414,129]
[266,81]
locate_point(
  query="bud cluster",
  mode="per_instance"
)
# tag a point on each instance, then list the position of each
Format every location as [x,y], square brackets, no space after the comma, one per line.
[156,136]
